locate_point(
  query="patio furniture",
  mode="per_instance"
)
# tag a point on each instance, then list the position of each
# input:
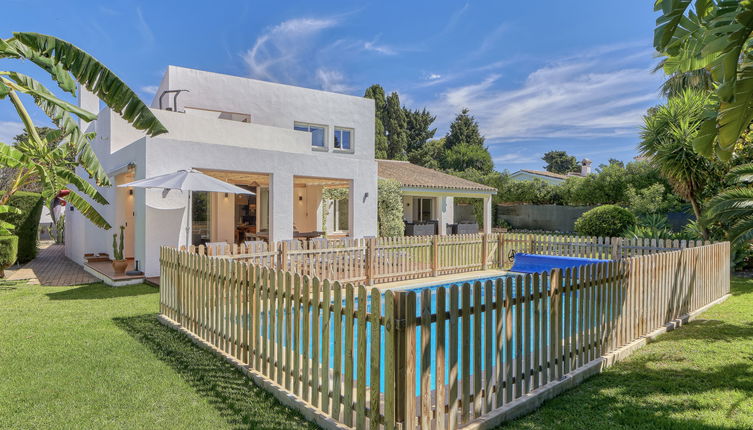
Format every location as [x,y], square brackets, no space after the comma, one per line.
[427,228]
[253,246]
[467,228]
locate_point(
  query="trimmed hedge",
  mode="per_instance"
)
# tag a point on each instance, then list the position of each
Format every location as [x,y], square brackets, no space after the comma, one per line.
[605,221]
[8,252]
[390,208]
[27,223]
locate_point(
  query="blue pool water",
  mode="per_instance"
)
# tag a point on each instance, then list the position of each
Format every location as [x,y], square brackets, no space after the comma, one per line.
[528,319]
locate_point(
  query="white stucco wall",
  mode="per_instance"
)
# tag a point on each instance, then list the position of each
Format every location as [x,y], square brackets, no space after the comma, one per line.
[267,145]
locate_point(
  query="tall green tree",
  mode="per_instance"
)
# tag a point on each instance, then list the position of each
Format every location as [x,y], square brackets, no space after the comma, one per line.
[418,128]
[464,146]
[396,125]
[560,162]
[713,37]
[430,154]
[667,138]
[376,93]
[40,158]
[464,130]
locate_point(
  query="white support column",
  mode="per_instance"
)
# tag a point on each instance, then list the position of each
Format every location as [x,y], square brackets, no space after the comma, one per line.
[488,214]
[281,207]
[446,213]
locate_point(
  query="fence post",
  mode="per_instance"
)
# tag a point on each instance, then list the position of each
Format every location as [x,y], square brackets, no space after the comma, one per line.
[282,260]
[484,250]
[399,328]
[434,255]
[616,248]
[370,255]
[501,250]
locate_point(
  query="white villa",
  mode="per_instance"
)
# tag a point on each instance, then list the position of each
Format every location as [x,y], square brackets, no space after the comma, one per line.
[284,143]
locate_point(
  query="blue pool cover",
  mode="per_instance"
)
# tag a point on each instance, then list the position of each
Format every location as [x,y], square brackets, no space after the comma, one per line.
[533,263]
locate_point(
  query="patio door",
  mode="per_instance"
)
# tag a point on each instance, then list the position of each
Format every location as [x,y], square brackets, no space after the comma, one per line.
[423,209]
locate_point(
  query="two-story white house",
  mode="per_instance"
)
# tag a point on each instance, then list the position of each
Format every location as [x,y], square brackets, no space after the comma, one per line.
[283,143]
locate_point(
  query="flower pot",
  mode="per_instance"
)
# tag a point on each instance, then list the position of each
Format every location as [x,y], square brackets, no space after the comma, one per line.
[119,266]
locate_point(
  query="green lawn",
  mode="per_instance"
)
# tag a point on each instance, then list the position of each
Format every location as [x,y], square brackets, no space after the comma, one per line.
[95,357]
[698,377]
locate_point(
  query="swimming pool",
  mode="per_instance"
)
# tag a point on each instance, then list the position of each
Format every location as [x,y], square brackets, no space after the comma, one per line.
[476,283]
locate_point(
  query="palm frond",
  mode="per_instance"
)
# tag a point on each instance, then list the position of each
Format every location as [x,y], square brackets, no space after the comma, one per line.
[731,204]
[742,173]
[81,142]
[87,210]
[742,231]
[97,78]
[83,186]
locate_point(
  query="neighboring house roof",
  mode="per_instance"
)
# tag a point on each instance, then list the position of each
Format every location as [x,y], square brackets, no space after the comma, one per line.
[411,175]
[542,173]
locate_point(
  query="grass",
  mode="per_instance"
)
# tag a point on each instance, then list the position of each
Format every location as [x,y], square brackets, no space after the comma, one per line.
[698,377]
[94,357]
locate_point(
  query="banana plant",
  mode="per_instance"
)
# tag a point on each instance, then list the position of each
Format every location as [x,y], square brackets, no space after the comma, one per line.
[35,159]
[714,35]
[734,206]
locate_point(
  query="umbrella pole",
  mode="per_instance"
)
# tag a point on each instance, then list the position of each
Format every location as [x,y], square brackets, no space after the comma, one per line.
[188,220]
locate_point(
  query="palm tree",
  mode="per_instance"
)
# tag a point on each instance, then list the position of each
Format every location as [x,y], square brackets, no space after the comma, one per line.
[37,158]
[667,140]
[734,207]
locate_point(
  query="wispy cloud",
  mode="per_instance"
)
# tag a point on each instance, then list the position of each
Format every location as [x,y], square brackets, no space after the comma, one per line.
[149,89]
[332,80]
[9,130]
[591,95]
[515,158]
[280,53]
[379,48]
[143,27]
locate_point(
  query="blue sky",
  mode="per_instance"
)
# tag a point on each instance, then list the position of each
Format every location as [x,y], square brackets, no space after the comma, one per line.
[538,76]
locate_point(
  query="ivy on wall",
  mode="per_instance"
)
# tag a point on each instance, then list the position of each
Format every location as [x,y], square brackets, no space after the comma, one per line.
[331,194]
[390,208]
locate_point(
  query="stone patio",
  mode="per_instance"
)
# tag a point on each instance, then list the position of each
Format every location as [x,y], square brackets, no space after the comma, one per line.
[52,268]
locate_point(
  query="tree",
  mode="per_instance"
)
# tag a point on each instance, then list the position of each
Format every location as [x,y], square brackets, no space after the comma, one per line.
[429,154]
[39,158]
[734,206]
[464,130]
[707,37]
[395,126]
[466,156]
[418,128]
[376,93]
[667,138]
[560,162]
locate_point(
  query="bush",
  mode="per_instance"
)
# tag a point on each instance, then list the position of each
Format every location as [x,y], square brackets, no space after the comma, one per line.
[605,221]
[8,252]
[390,208]
[26,223]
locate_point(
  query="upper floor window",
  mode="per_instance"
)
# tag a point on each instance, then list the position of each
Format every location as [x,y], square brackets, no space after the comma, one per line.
[318,133]
[343,139]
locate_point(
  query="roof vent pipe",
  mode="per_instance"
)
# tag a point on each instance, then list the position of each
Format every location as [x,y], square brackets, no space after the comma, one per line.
[175,98]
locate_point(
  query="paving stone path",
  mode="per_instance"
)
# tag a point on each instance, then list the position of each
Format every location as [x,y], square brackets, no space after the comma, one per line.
[51,267]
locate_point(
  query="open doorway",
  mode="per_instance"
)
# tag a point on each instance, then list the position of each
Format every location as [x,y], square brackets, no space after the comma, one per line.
[124,212]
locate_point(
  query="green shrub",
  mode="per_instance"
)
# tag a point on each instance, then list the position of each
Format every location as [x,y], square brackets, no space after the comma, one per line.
[390,208]
[26,223]
[605,221]
[8,252]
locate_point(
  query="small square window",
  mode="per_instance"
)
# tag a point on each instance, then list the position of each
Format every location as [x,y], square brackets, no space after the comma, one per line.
[343,138]
[318,133]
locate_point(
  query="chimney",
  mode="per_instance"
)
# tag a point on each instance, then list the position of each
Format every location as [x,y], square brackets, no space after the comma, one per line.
[87,100]
[585,167]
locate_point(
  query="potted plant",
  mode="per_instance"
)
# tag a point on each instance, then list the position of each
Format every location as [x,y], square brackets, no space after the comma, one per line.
[119,263]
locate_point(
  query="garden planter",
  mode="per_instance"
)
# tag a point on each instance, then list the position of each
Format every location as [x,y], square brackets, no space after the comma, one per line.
[119,266]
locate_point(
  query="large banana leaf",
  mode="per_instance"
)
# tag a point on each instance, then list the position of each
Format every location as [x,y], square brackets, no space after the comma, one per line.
[96,78]
[73,179]
[87,210]
[81,142]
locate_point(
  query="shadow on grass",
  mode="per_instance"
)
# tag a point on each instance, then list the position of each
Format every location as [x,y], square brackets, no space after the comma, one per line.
[102,291]
[240,402]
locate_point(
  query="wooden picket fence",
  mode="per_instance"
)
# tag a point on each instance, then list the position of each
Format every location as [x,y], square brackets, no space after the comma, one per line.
[389,259]
[435,359]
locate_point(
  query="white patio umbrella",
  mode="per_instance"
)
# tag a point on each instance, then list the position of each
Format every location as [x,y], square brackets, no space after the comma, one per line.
[187,180]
